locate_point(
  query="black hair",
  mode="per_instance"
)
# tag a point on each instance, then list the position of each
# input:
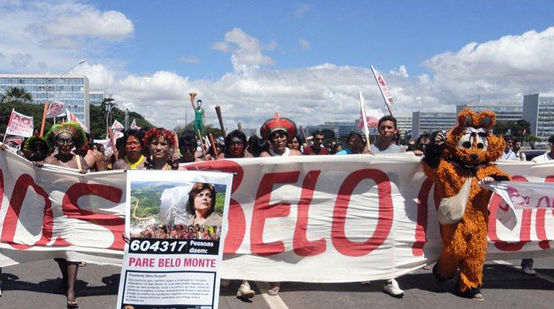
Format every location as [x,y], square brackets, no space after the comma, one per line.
[235,133]
[355,134]
[187,140]
[257,145]
[138,134]
[551,139]
[387,118]
[317,132]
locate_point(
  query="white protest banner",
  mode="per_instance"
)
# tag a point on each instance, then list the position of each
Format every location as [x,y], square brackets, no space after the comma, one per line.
[117,126]
[55,109]
[20,125]
[71,117]
[524,195]
[53,212]
[369,216]
[175,221]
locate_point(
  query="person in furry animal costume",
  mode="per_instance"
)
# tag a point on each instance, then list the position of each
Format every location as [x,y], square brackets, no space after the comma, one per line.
[457,164]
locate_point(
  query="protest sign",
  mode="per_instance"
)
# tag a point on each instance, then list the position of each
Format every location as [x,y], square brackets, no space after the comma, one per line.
[20,125]
[71,117]
[117,126]
[362,217]
[175,220]
[55,109]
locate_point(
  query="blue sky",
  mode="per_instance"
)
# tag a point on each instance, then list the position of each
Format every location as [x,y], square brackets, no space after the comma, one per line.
[356,33]
[257,57]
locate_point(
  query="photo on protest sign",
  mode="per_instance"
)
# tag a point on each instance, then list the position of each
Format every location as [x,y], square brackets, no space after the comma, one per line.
[176,227]
[175,210]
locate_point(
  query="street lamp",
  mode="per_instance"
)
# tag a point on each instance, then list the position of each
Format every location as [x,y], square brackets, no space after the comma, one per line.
[73,66]
[108,106]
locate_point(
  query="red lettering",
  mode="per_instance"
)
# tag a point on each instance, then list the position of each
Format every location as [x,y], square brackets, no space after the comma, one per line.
[263,210]
[422,210]
[301,245]
[385,217]
[16,202]
[525,223]
[70,208]
[235,215]
[540,223]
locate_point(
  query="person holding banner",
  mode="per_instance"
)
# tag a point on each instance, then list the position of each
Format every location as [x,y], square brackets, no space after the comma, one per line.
[160,142]
[187,148]
[131,152]
[235,145]
[277,131]
[35,149]
[387,133]
[64,137]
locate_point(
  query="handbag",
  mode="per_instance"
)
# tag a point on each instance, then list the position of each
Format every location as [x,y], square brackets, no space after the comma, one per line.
[451,209]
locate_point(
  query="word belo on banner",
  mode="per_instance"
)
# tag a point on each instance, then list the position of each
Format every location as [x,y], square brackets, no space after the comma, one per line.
[369,217]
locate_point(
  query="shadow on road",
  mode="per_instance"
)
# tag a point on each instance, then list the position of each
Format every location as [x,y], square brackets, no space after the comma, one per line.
[54,286]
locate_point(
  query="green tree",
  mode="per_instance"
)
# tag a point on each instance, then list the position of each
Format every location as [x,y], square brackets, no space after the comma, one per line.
[519,128]
[16,95]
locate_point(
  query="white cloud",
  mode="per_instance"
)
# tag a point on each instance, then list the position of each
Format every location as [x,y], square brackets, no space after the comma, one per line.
[246,50]
[301,10]
[497,70]
[194,60]
[93,23]
[56,34]
[401,71]
[327,92]
[304,43]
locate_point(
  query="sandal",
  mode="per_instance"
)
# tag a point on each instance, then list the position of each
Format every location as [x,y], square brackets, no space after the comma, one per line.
[72,303]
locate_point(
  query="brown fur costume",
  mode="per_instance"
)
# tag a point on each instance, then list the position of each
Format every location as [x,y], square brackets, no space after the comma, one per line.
[468,151]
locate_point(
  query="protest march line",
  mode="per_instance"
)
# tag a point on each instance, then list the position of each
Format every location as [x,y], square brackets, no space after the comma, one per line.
[374,216]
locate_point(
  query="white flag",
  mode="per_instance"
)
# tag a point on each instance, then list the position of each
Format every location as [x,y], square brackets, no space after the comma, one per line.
[55,109]
[73,118]
[20,125]
[117,126]
[383,87]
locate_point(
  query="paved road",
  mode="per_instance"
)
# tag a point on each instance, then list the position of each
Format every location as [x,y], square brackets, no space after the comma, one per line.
[33,285]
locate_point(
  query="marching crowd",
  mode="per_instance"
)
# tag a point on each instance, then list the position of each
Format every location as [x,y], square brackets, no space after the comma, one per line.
[67,145]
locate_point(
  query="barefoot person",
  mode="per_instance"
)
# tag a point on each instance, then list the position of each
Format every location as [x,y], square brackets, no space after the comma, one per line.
[64,137]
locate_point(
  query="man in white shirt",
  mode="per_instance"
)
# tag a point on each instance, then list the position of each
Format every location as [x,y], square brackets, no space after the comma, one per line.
[508,154]
[387,132]
[547,155]
[517,150]
[385,144]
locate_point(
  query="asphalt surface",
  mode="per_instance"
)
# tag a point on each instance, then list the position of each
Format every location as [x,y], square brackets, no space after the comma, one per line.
[34,285]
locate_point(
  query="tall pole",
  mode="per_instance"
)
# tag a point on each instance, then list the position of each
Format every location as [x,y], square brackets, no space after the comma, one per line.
[192,95]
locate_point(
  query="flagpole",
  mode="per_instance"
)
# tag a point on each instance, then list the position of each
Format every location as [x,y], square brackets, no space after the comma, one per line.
[43,123]
[9,121]
[380,90]
[364,119]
